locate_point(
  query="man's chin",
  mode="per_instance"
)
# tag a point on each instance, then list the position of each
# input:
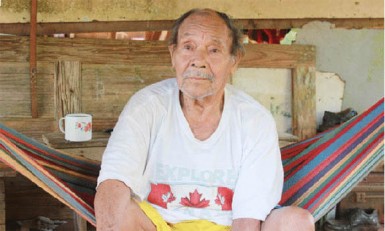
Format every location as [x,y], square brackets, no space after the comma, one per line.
[196,95]
[196,90]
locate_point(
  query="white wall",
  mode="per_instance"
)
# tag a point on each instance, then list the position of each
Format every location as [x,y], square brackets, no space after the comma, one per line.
[357,56]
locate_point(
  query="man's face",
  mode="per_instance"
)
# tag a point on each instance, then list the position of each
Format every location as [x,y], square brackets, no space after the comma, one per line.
[202,58]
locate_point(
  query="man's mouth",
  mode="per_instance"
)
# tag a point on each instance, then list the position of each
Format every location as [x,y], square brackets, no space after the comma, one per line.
[197,78]
[197,75]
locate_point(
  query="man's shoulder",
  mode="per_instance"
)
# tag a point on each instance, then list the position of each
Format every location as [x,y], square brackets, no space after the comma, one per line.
[244,102]
[166,86]
[252,117]
[153,97]
[158,90]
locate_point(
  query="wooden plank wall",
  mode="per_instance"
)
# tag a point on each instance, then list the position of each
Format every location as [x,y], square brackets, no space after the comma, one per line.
[113,70]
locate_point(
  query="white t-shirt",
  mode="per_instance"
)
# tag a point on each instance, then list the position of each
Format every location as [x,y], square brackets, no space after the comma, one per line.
[235,173]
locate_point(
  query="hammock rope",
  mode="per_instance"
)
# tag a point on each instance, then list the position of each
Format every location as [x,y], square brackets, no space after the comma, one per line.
[319,172]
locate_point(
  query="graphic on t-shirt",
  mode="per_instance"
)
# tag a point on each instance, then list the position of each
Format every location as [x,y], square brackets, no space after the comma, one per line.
[224,198]
[195,200]
[191,196]
[161,195]
[182,175]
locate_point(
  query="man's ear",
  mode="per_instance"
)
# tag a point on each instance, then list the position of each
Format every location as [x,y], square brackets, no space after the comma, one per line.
[235,59]
[171,49]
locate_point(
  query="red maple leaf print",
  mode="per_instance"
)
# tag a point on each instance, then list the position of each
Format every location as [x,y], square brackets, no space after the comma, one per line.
[195,200]
[161,195]
[224,198]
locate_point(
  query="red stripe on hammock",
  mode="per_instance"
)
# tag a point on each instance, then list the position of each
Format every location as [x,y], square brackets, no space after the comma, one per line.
[21,141]
[341,173]
[307,158]
[288,152]
[328,160]
[374,143]
[49,175]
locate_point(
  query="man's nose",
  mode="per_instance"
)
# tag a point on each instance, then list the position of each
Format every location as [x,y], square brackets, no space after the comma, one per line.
[199,59]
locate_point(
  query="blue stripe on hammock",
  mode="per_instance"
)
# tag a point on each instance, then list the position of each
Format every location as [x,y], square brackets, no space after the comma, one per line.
[336,161]
[333,146]
[322,210]
[348,171]
[328,134]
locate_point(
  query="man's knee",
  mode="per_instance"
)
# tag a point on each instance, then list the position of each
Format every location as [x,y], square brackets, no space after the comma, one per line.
[289,218]
[299,218]
[301,215]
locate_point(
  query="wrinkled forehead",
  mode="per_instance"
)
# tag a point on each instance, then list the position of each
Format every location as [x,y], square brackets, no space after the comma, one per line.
[204,21]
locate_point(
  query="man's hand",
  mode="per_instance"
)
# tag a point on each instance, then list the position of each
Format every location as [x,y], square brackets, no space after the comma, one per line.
[246,224]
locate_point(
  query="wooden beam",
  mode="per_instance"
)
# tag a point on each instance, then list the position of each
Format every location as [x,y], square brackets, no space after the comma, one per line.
[2,205]
[84,27]
[278,56]
[348,23]
[32,59]
[126,26]
[79,223]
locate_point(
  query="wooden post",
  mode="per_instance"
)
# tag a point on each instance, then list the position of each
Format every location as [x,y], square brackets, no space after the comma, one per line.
[303,102]
[32,59]
[79,223]
[67,86]
[2,205]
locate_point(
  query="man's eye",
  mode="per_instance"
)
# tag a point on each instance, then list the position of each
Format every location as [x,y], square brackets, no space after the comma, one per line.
[214,50]
[187,47]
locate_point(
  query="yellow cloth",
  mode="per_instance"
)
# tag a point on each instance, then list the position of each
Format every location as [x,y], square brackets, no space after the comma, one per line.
[162,225]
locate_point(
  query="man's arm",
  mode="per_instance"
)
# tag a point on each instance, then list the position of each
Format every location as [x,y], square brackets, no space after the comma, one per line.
[246,224]
[111,200]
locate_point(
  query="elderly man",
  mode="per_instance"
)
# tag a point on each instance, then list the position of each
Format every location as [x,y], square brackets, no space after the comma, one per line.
[194,153]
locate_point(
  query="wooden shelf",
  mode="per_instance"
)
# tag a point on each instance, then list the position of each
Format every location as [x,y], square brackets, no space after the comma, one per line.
[56,140]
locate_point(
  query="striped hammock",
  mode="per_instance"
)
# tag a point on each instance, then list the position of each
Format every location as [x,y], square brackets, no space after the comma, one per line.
[319,171]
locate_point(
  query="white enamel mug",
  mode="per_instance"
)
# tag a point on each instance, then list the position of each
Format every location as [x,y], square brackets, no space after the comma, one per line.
[77,127]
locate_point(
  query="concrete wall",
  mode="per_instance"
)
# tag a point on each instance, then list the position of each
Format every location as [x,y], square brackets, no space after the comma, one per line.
[117,10]
[357,56]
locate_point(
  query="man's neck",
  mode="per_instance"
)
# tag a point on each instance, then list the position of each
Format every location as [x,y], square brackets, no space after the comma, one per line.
[203,115]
